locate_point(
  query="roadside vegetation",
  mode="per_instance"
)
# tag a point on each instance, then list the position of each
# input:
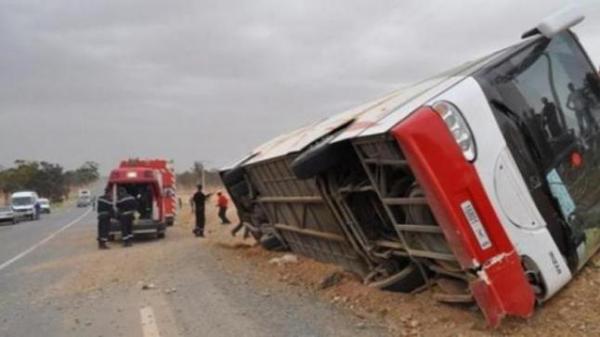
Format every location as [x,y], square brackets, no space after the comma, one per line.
[49,180]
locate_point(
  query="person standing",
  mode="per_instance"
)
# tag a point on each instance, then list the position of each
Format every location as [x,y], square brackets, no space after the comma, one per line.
[244,210]
[198,203]
[579,103]
[126,205]
[553,123]
[222,204]
[144,200]
[105,213]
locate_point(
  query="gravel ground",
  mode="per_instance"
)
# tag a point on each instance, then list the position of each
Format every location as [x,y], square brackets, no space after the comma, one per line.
[194,287]
[224,286]
[572,312]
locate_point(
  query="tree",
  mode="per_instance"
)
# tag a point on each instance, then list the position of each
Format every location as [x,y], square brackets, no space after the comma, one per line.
[85,174]
[47,179]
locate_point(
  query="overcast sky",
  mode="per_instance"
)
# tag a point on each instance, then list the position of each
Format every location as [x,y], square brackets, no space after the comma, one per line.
[210,80]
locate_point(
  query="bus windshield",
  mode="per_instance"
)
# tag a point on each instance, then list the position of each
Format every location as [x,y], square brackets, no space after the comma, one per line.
[554,92]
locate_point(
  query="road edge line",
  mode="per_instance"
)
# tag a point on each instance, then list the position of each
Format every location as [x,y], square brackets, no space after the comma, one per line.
[43,241]
[149,327]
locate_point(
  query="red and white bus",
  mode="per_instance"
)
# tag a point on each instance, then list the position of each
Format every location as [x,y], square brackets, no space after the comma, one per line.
[479,183]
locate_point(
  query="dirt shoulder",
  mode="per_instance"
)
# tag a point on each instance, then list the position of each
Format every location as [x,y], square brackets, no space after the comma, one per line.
[89,272]
[573,312]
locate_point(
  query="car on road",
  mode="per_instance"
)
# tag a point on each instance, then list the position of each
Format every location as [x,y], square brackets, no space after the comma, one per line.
[45,206]
[84,198]
[7,215]
[25,204]
[84,201]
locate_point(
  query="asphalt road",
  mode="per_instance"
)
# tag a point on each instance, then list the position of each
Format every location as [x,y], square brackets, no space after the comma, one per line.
[15,240]
[55,282]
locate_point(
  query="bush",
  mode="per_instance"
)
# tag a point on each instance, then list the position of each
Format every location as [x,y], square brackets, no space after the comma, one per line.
[49,180]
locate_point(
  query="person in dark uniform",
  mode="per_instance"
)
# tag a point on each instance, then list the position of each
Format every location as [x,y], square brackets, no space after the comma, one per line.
[105,213]
[552,121]
[144,200]
[198,203]
[244,214]
[126,205]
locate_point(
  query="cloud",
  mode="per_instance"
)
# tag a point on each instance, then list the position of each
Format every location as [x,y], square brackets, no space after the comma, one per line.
[209,80]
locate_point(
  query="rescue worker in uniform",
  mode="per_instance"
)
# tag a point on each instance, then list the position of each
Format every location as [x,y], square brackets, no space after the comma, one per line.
[105,213]
[197,203]
[126,206]
[144,200]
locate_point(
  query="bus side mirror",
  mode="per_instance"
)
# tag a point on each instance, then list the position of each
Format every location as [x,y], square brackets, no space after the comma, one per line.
[557,22]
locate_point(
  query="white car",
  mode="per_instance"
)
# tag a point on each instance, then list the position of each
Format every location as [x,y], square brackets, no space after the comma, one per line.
[7,214]
[44,205]
[84,201]
[25,204]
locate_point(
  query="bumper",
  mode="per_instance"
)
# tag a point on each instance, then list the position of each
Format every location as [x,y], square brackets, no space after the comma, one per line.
[454,193]
[24,213]
[139,227]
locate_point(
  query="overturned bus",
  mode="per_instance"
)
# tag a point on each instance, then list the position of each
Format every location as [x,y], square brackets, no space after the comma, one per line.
[479,183]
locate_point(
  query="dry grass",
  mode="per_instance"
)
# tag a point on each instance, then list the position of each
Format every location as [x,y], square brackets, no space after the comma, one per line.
[573,312]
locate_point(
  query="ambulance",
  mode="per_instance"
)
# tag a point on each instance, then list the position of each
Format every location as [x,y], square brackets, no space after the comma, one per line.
[152,183]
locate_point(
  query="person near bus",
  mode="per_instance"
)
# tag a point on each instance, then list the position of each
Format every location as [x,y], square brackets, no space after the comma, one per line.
[223,204]
[578,102]
[198,203]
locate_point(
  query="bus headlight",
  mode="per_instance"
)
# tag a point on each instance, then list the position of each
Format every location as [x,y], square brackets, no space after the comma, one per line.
[458,127]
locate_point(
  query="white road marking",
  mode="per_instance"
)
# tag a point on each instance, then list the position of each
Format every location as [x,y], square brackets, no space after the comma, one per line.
[149,327]
[37,245]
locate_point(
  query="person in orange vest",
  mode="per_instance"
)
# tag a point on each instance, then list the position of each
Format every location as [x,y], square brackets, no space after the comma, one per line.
[222,204]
